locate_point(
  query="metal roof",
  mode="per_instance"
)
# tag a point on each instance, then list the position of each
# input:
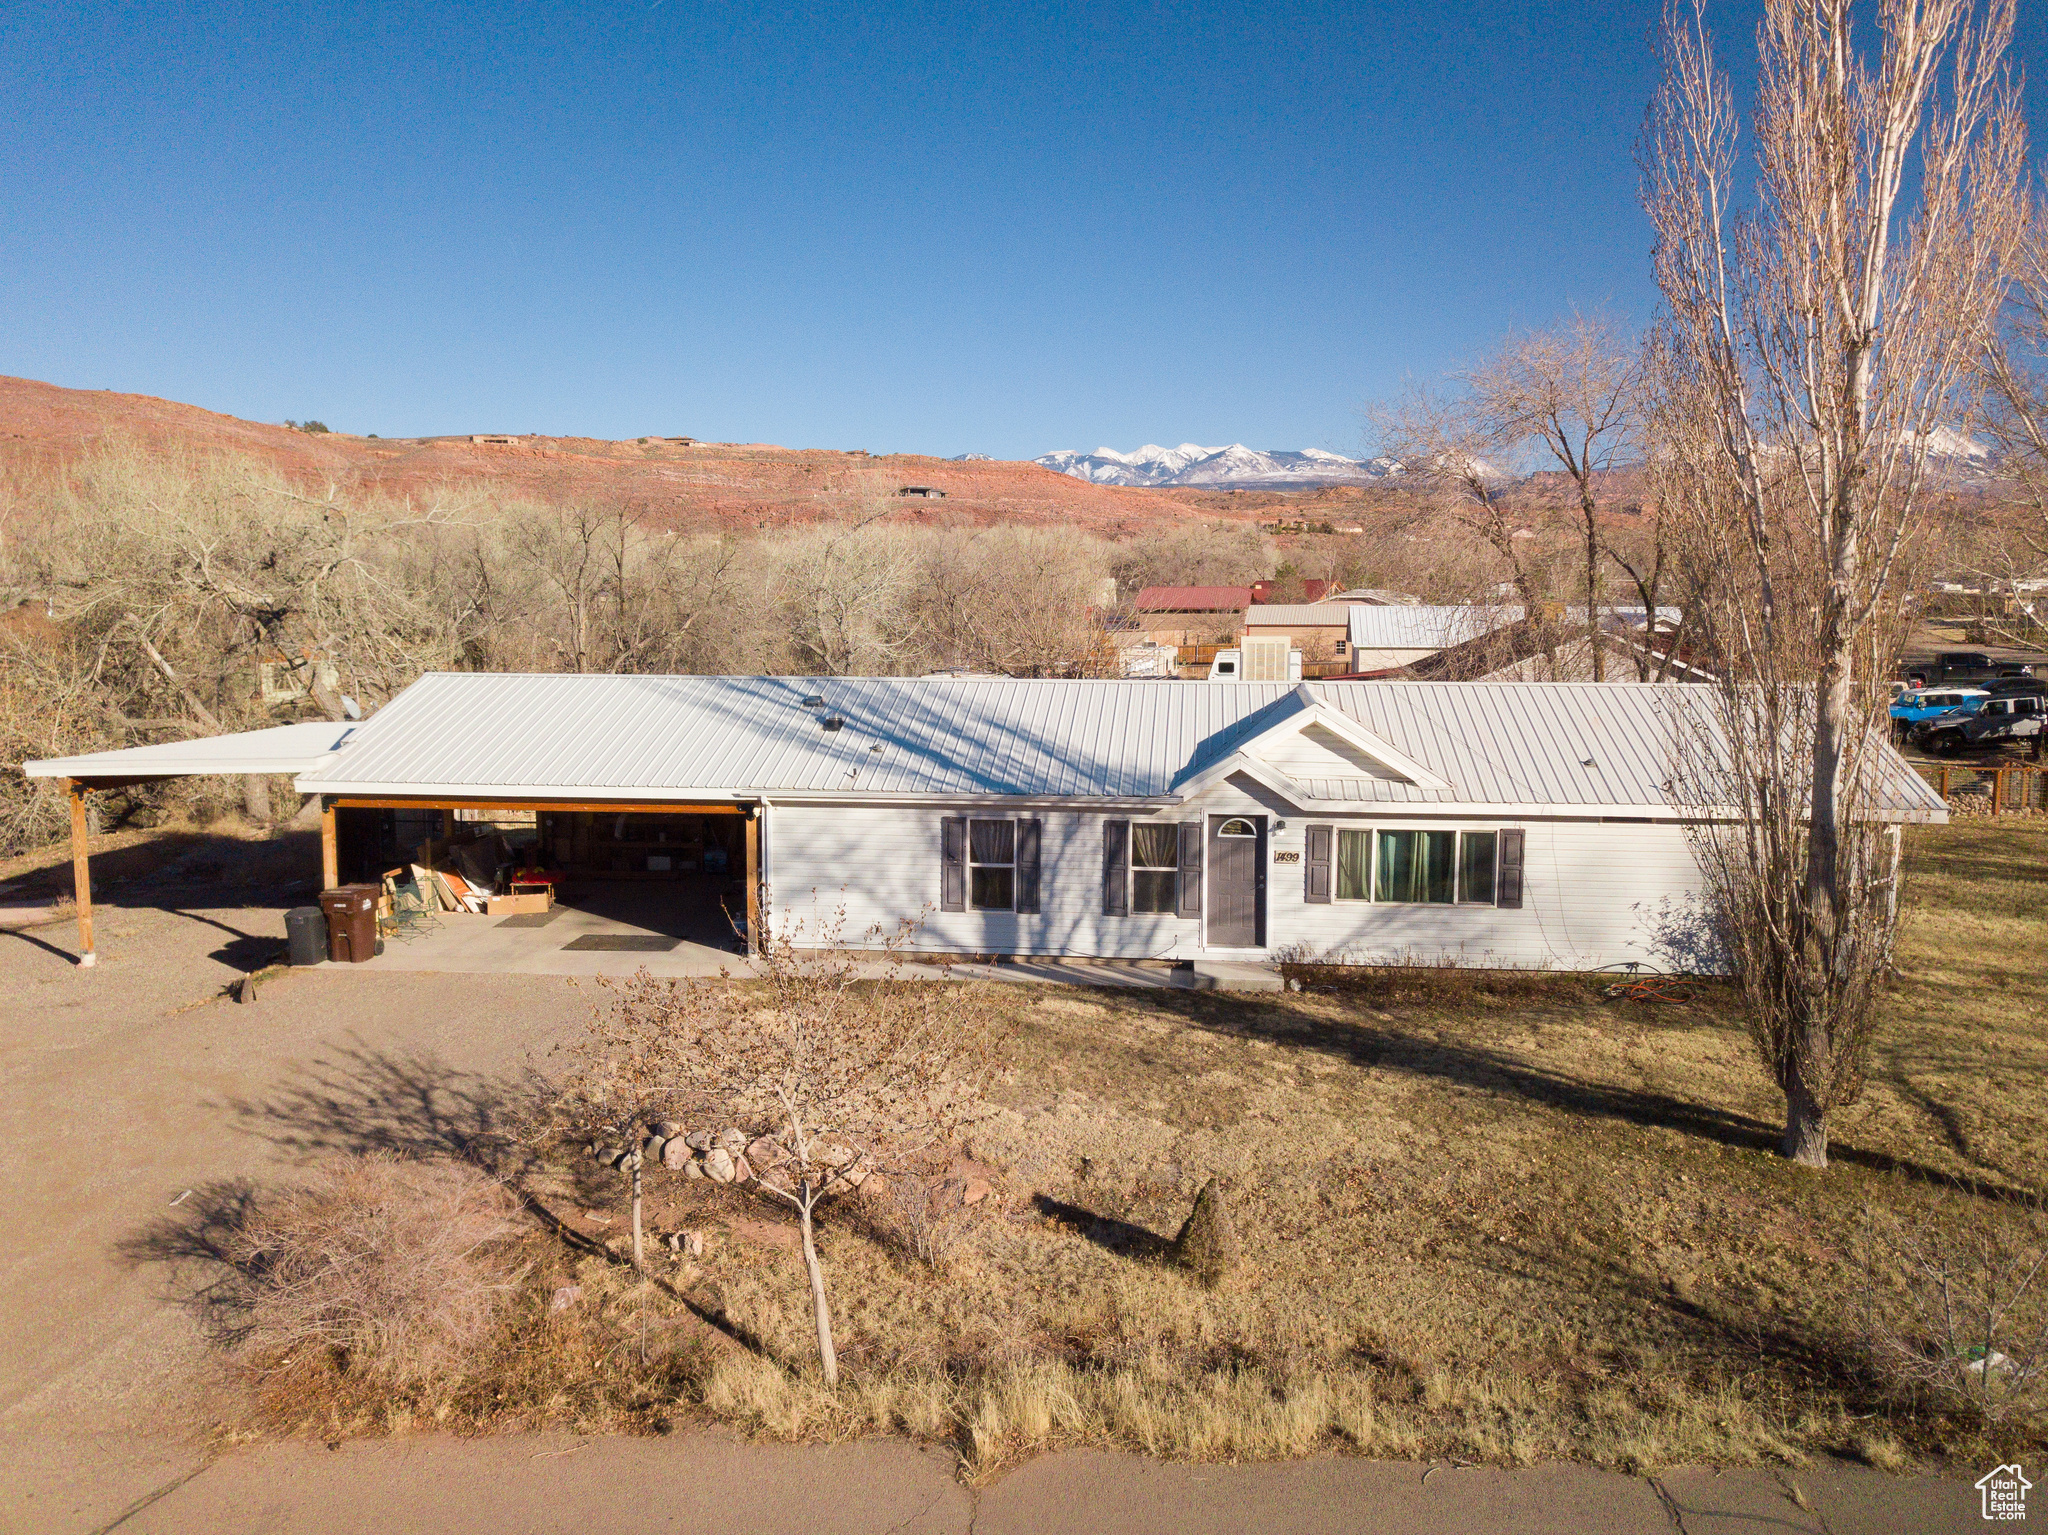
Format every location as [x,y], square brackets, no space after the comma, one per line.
[1192,599]
[279,749]
[1297,615]
[1525,744]
[1423,628]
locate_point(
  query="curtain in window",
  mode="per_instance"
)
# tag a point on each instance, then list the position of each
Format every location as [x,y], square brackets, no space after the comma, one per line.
[1155,858]
[1475,866]
[1417,866]
[1354,865]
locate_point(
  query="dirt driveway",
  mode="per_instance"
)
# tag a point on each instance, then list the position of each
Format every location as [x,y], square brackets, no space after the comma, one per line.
[125,1086]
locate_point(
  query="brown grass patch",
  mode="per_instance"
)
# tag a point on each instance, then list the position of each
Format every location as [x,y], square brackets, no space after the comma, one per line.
[1500,1227]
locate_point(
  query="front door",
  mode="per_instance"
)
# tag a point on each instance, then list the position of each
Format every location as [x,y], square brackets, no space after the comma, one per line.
[1236,880]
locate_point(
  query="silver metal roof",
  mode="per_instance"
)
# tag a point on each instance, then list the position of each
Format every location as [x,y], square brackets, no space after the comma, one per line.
[1526,744]
[1330,615]
[279,749]
[1421,628]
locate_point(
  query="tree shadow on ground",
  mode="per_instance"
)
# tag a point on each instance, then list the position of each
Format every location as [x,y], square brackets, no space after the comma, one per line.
[1108,1232]
[1475,1066]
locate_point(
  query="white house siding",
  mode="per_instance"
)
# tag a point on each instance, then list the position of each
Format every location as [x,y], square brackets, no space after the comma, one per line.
[881,866]
[1594,894]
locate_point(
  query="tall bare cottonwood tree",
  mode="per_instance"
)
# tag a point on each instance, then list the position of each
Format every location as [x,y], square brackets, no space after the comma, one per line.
[1808,350]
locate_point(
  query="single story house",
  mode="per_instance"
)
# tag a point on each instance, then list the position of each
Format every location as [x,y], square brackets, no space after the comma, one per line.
[1511,824]
[1384,638]
[1321,631]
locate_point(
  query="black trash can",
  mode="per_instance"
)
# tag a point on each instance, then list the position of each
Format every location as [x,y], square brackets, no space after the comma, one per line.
[305,930]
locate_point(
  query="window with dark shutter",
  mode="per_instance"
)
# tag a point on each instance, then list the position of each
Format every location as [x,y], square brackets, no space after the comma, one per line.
[992,865]
[1316,865]
[1190,902]
[1116,868]
[1027,865]
[1508,875]
[1155,867]
[953,863]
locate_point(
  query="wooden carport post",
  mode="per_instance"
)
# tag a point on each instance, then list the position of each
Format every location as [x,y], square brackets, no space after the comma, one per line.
[330,856]
[754,881]
[81,874]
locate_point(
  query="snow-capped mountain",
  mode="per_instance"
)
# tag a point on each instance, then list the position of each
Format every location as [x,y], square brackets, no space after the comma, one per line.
[1213,468]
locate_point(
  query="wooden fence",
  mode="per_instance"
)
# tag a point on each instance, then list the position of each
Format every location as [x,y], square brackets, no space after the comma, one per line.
[2015,788]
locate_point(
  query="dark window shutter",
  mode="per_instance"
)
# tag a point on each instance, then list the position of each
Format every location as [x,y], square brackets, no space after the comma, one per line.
[1316,862]
[1508,886]
[1116,868]
[1188,886]
[1027,865]
[953,863]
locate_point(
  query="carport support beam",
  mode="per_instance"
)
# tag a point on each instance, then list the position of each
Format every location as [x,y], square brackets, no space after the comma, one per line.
[754,882]
[330,857]
[81,874]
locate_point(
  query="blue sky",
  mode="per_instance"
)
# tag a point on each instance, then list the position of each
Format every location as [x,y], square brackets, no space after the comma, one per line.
[900,227]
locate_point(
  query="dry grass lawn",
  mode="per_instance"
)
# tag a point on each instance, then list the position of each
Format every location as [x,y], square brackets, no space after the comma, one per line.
[1499,1228]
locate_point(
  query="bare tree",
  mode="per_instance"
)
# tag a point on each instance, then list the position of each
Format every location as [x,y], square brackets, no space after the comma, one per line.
[2016,367]
[1455,452]
[1807,354]
[1576,393]
[842,1077]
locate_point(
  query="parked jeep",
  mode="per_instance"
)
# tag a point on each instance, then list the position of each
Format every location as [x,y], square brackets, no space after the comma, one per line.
[1913,708]
[2017,717]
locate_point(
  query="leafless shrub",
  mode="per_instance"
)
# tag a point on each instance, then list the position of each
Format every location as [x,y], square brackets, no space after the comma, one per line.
[1955,1306]
[1376,978]
[845,1076]
[372,1263]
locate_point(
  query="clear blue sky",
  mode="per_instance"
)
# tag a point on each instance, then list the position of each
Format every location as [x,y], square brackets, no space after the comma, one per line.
[901,227]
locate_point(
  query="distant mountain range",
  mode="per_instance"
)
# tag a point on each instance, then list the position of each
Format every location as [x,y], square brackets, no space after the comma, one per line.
[1233,468]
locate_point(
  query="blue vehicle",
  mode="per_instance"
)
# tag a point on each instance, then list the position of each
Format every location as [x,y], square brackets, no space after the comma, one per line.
[1915,706]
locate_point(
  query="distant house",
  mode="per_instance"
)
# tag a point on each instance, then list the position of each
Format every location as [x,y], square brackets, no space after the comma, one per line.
[1193,599]
[1321,631]
[928,492]
[1191,615]
[1312,591]
[1383,639]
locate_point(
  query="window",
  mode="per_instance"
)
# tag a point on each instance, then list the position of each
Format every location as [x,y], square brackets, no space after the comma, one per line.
[1155,868]
[992,865]
[1416,866]
[1476,858]
[1354,866]
[1237,826]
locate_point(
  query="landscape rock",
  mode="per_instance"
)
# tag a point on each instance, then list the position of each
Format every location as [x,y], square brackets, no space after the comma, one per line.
[1207,1246]
[731,1142]
[653,1148]
[675,1156]
[693,1171]
[762,1154]
[742,1170]
[565,1297]
[975,1190]
[667,1129]
[718,1165]
[698,1140]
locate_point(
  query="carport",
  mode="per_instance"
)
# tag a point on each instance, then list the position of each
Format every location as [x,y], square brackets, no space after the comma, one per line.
[698,826]
[280,749]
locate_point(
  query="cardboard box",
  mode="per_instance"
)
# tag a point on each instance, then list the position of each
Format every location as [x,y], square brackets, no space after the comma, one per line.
[521,902]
